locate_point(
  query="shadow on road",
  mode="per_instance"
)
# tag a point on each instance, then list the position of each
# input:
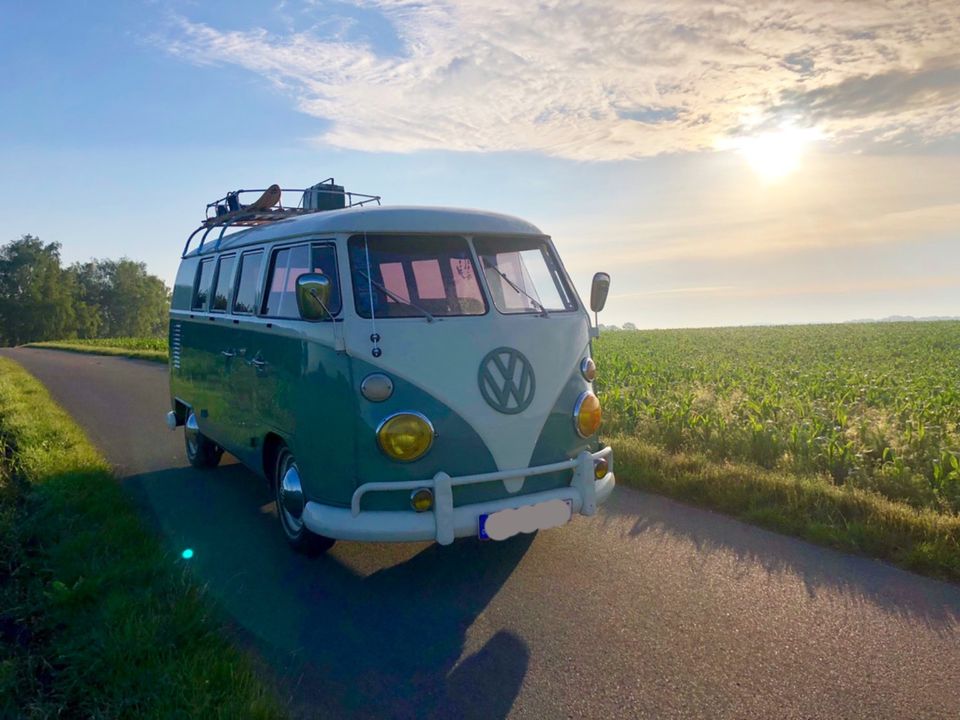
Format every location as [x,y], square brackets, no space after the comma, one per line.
[369,630]
[935,604]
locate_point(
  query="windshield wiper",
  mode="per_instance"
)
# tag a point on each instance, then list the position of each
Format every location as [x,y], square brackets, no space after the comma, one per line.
[511,283]
[383,288]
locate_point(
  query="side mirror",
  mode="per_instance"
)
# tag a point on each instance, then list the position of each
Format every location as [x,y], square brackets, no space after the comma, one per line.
[313,296]
[598,291]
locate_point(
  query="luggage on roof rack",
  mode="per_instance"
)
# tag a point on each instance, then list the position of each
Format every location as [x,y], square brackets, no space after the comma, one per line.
[230,211]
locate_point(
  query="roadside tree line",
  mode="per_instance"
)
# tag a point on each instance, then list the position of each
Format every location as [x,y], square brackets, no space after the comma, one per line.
[42,300]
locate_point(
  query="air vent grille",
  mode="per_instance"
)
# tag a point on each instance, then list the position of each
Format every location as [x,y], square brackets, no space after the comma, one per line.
[176,333]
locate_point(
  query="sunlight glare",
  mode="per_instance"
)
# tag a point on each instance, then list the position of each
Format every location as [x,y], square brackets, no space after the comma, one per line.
[774,155]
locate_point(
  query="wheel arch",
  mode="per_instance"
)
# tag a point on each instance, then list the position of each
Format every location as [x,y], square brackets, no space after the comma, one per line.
[272,443]
[180,410]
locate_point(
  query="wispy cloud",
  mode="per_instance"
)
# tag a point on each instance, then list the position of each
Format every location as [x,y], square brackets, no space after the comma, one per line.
[605,79]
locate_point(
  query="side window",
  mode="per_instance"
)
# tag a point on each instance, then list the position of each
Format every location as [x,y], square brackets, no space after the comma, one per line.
[224,277]
[290,263]
[246,296]
[201,290]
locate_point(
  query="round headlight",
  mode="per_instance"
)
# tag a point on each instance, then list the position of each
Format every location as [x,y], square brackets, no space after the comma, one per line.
[586,415]
[588,368]
[405,436]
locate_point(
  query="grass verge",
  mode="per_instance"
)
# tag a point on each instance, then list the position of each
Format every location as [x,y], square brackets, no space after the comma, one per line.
[812,508]
[96,619]
[135,353]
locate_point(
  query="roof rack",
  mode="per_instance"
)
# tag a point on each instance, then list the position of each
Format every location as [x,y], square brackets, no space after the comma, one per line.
[230,212]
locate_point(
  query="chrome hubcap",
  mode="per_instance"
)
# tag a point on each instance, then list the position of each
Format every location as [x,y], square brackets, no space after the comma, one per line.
[291,498]
[191,429]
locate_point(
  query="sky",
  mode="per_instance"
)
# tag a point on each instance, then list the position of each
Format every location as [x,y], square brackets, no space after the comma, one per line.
[728,163]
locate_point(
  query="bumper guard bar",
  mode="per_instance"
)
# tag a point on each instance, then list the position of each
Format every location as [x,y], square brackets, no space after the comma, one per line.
[583,483]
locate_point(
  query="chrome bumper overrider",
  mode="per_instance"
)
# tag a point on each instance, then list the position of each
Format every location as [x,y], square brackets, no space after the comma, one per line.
[446,522]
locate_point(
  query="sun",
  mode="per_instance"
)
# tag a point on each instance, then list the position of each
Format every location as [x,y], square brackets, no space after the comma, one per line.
[778,153]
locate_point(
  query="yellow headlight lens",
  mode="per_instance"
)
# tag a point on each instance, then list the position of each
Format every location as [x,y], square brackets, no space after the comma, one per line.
[405,436]
[586,414]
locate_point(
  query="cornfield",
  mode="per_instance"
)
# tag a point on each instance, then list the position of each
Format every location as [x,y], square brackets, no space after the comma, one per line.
[125,343]
[874,405]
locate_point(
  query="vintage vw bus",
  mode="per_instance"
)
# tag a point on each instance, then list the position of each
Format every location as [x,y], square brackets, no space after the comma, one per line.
[395,373]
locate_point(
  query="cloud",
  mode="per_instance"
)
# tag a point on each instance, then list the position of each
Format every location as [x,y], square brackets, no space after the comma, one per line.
[602,79]
[895,105]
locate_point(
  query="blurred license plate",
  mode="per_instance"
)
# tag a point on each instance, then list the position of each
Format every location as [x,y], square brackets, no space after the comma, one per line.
[526,519]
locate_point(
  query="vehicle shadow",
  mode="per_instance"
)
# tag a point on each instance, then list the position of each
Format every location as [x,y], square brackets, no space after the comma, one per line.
[654,518]
[368,630]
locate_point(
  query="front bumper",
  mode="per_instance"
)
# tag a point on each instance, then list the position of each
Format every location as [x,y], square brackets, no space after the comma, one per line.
[446,522]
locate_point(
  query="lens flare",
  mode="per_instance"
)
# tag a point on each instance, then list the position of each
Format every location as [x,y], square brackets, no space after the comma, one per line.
[774,155]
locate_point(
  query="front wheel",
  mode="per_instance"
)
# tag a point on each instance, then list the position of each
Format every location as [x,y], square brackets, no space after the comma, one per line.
[202,452]
[288,494]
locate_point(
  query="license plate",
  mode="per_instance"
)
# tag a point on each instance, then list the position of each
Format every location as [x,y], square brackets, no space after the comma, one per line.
[526,519]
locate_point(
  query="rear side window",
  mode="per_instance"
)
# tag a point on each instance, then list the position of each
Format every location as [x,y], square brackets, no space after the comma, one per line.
[286,265]
[224,277]
[246,298]
[201,290]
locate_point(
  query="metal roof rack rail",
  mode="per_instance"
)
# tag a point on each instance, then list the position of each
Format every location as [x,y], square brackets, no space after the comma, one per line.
[230,212]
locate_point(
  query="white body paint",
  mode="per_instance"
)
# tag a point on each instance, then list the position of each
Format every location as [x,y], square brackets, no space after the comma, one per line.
[443,358]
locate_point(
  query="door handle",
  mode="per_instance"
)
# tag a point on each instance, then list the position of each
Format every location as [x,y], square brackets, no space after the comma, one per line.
[228,353]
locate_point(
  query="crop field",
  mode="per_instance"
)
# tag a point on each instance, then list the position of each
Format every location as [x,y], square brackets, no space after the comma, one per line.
[873,406]
[125,343]
[141,348]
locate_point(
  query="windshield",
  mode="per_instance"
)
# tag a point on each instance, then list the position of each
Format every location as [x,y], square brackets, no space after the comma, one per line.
[414,276]
[523,275]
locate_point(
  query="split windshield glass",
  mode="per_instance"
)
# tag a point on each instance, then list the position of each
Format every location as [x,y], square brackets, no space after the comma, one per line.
[523,275]
[414,276]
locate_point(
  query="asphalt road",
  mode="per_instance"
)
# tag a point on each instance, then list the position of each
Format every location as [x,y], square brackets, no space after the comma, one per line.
[651,609]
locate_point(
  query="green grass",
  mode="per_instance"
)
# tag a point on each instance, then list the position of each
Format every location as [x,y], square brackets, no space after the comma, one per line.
[138,348]
[842,517]
[96,618]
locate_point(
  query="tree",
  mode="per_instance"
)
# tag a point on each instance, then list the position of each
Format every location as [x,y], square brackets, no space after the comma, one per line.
[36,297]
[629,326]
[40,300]
[129,301]
[138,303]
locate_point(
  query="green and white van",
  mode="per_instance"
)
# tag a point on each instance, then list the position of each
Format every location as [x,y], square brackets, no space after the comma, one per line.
[395,373]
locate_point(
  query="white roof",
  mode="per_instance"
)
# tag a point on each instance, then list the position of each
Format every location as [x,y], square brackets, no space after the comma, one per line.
[376,219]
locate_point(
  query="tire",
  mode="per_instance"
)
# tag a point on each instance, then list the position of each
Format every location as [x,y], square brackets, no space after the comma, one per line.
[202,452]
[287,492]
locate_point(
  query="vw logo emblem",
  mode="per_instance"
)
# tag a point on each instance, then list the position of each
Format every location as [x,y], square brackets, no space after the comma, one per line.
[506,380]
